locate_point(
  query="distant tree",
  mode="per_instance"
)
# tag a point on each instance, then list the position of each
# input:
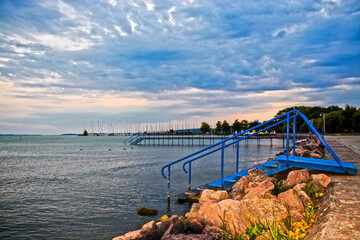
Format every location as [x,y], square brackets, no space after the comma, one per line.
[356,121]
[236,126]
[205,127]
[254,123]
[225,127]
[218,128]
[244,125]
[85,133]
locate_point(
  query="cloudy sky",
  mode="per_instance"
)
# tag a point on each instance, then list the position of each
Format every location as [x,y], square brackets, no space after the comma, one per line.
[65,64]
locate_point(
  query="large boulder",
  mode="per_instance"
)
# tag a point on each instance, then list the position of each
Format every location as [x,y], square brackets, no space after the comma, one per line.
[299,151]
[256,175]
[230,210]
[315,155]
[134,235]
[239,187]
[149,231]
[297,176]
[264,209]
[194,226]
[209,195]
[291,199]
[305,199]
[261,190]
[209,233]
[165,224]
[321,181]
[237,213]
[194,210]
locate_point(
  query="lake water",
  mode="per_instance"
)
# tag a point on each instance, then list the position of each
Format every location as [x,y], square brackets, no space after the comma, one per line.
[70,187]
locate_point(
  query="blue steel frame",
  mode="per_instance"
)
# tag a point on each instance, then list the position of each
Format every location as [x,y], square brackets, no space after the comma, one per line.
[289,115]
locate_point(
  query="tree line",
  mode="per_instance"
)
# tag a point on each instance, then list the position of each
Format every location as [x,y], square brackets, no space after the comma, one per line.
[337,120]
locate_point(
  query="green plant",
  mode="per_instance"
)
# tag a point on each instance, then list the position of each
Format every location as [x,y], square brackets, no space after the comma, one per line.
[279,188]
[313,193]
[267,230]
[309,215]
[288,221]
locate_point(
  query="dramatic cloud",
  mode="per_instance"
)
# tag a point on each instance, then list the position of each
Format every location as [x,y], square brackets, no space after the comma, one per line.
[64,64]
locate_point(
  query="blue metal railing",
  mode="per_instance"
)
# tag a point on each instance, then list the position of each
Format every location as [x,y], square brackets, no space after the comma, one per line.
[278,120]
[133,137]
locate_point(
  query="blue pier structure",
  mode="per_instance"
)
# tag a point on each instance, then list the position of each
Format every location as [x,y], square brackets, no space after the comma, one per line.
[279,164]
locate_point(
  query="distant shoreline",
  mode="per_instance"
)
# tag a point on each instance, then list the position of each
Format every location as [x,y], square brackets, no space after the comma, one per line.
[20,135]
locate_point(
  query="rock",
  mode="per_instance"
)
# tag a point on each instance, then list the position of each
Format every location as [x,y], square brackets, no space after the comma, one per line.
[305,199]
[256,175]
[321,181]
[179,226]
[194,210]
[164,225]
[230,210]
[162,218]
[297,176]
[291,199]
[299,186]
[299,151]
[167,234]
[256,164]
[238,212]
[211,232]
[239,187]
[260,191]
[188,237]
[194,226]
[209,195]
[149,231]
[264,209]
[310,146]
[147,211]
[134,235]
[296,216]
[315,155]
[318,151]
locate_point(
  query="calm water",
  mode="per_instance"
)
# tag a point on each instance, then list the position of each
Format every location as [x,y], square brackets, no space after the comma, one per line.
[70,187]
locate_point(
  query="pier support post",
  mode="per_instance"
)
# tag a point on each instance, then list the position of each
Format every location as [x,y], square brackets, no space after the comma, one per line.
[222,165]
[237,157]
[287,139]
[189,176]
[294,135]
[168,194]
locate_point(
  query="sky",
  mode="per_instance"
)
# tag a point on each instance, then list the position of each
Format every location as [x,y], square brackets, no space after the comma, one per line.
[67,64]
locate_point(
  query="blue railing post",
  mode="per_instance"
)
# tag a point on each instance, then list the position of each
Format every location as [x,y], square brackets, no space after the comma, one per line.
[222,165]
[294,136]
[190,176]
[168,194]
[287,139]
[237,157]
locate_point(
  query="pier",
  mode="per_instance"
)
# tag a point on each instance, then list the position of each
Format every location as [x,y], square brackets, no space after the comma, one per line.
[203,140]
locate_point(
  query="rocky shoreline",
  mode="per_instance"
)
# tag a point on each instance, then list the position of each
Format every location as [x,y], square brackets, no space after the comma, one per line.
[257,206]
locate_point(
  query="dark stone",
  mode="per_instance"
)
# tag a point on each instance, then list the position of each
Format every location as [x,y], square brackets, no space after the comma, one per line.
[193,225]
[179,227]
[147,211]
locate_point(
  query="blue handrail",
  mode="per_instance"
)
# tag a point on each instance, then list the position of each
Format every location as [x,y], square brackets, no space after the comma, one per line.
[223,145]
[134,137]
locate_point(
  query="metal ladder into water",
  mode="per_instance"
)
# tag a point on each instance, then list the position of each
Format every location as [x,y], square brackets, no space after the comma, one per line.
[280,163]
